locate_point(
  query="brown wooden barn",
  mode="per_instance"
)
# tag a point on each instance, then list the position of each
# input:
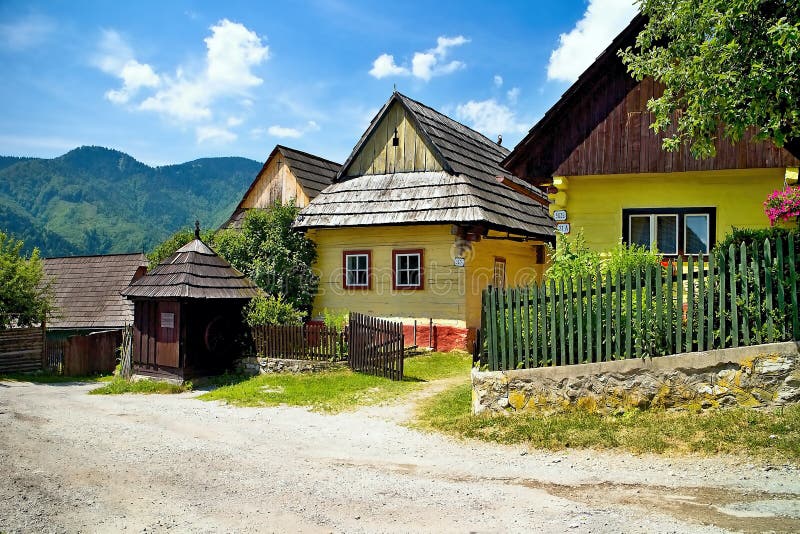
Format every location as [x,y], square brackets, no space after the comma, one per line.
[188,314]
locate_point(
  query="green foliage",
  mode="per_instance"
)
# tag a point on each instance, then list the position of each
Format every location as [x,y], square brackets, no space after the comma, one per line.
[729,64]
[93,200]
[623,258]
[571,258]
[118,386]
[24,291]
[751,237]
[271,310]
[272,254]
[168,247]
[335,320]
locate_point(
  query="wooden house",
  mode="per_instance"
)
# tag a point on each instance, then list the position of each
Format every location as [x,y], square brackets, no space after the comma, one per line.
[418,222]
[609,176]
[288,175]
[90,313]
[188,314]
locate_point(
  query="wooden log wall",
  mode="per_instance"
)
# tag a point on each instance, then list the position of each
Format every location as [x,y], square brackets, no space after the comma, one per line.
[21,349]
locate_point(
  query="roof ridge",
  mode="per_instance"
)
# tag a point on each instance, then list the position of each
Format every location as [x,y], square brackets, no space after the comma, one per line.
[94,256]
[314,156]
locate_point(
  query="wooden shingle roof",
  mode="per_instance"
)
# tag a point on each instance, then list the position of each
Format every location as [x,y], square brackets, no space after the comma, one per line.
[195,272]
[87,290]
[466,191]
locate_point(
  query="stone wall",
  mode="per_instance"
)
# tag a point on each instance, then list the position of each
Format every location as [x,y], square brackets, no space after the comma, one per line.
[256,366]
[758,376]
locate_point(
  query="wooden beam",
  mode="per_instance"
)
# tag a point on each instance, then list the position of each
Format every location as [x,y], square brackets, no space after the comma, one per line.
[522,190]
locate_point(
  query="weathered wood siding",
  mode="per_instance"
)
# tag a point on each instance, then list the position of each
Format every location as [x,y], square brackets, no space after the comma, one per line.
[595,203]
[380,156]
[521,269]
[21,349]
[275,182]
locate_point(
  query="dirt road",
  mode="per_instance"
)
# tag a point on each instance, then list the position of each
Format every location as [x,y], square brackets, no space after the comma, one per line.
[73,462]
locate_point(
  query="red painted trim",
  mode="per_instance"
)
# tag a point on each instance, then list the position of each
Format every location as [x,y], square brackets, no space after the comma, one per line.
[421,285]
[346,253]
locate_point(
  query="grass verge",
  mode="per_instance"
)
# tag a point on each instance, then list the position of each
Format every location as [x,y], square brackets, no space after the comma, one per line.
[119,386]
[337,391]
[767,435]
[47,378]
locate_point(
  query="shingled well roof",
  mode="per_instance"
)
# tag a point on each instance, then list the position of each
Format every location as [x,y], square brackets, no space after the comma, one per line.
[466,191]
[196,272]
[87,290]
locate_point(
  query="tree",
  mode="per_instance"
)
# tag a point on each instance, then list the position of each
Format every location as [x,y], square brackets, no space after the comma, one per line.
[26,297]
[275,256]
[173,243]
[727,65]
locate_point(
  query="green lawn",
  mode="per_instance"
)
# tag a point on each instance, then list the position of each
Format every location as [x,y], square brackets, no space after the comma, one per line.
[773,435]
[118,386]
[47,378]
[336,391]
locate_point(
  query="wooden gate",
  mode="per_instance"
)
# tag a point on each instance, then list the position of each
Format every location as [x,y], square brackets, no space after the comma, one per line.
[376,346]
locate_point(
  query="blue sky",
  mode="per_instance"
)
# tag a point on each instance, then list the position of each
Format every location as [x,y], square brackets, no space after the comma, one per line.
[169,82]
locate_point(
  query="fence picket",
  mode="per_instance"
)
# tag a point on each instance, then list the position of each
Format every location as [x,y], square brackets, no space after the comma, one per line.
[690,305]
[721,269]
[710,302]
[618,318]
[589,319]
[553,331]
[758,295]
[734,302]
[569,309]
[534,299]
[598,315]
[578,349]
[743,273]
[493,341]
[502,327]
[779,281]
[670,318]
[768,289]
[701,300]
[793,285]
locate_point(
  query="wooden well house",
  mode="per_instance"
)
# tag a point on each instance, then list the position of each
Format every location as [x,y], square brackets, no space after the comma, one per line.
[188,314]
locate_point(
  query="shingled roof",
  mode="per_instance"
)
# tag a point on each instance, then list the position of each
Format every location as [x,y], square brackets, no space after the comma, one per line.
[466,191]
[312,172]
[195,272]
[87,290]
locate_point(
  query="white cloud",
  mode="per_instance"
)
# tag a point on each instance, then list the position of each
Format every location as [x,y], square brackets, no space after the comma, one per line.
[26,32]
[489,117]
[234,121]
[257,133]
[513,95]
[601,22]
[498,80]
[424,65]
[384,66]
[115,57]
[294,133]
[214,134]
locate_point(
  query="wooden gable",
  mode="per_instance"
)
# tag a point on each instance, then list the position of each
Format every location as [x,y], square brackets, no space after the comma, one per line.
[601,125]
[380,155]
[275,182]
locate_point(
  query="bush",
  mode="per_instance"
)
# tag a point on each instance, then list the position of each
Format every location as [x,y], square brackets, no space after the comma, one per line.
[754,236]
[623,258]
[571,258]
[271,310]
[172,244]
[335,320]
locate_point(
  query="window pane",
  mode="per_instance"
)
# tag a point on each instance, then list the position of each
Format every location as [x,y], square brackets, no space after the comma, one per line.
[640,230]
[666,234]
[361,276]
[413,278]
[696,234]
[413,261]
[403,262]
[352,262]
[362,262]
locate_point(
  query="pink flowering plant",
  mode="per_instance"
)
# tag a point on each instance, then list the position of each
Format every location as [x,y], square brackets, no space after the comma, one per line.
[783,204]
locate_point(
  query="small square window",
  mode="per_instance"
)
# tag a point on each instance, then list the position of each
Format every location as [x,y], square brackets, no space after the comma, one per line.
[671,231]
[696,234]
[357,269]
[408,271]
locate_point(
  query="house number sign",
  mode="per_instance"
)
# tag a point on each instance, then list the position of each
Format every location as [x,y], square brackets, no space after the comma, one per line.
[458,262]
[167,320]
[560,215]
[562,228]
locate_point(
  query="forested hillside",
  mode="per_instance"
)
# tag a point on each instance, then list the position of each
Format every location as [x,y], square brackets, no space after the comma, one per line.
[94,200]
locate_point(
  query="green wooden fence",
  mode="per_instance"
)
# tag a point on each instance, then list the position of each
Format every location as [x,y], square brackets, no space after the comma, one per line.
[745,297]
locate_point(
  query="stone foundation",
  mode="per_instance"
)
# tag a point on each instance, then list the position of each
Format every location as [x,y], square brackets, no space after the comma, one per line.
[256,366]
[758,376]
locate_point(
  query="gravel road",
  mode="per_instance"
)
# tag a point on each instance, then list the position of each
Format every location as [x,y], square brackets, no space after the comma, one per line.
[70,462]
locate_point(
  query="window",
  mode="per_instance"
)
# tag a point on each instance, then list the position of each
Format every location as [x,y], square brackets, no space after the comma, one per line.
[499,278]
[408,272]
[357,265]
[672,231]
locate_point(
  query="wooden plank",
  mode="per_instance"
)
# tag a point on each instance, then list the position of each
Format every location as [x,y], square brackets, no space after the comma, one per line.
[494,334]
[659,286]
[543,328]
[518,353]
[562,357]
[553,330]
[589,319]
[570,311]
[701,303]
[533,305]
[598,318]
[745,275]
[679,307]
[628,315]
[690,305]
[502,328]
[768,265]
[758,294]
[793,287]
[617,327]
[640,328]
[733,292]
[670,316]
[710,302]
[721,270]
[780,280]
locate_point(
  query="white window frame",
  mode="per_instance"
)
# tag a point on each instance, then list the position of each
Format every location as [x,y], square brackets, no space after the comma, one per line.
[397,270]
[708,232]
[653,230]
[347,270]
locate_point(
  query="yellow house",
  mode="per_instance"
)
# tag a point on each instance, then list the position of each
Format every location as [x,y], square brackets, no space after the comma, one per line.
[418,222]
[609,177]
[288,175]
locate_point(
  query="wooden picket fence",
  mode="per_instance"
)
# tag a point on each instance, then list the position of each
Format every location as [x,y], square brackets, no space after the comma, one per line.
[299,342]
[745,297]
[376,346]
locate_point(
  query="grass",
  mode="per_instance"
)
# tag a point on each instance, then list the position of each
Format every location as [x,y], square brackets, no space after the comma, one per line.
[48,378]
[337,391]
[118,386]
[772,435]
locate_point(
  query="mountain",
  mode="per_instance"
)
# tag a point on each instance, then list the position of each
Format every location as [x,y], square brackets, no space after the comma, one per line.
[95,200]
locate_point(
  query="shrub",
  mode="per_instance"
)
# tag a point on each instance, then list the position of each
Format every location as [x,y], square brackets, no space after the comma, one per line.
[271,310]
[571,258]
[335,320]
[623,258]
[754,237]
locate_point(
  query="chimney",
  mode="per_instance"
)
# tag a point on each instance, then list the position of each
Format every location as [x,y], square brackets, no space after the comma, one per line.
[500,139]
[197,229]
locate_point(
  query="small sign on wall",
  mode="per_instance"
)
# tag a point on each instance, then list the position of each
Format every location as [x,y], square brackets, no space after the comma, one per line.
[167,320]
[458,262]
[562,228]
[560,215]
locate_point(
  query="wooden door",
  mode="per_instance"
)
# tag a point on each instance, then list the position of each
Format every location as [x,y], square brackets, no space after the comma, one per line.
[168,326]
